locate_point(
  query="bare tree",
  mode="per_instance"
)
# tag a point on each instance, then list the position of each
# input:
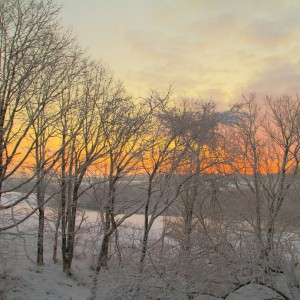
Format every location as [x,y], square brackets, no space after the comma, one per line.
[33,48]
[125,131]
[201,128]
[282,130]
[245,138]
[266,146]
[180,139]
[94,104]
[51,84]
[159,163]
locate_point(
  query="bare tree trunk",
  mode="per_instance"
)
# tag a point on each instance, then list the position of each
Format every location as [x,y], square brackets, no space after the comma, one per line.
[109,213]
[103,256]
[101,262]
[71,231]
[187,231]
[104,251]
[41,186]
[189,203]
[63,207]
[144,246]
[117,245]
[146,227]
[40,245]
[270,238]
[1,151]
[57,224]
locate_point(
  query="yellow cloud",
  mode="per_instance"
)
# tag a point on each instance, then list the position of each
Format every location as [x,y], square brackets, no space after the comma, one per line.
[207,49]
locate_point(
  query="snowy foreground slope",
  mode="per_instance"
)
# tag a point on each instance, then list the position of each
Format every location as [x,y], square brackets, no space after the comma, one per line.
[21,278]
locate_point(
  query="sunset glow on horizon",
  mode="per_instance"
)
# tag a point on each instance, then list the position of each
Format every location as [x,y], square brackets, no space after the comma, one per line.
[210,50]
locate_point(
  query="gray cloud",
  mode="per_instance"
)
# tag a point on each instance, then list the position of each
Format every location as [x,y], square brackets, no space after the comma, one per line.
[279,79]
[206,49]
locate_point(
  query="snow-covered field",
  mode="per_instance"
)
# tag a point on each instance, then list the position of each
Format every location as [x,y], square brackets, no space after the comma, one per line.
[21,278]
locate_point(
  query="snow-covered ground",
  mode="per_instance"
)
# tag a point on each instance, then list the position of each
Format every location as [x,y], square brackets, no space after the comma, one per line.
[22,279]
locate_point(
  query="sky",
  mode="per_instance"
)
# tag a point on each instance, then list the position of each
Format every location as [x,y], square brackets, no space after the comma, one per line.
[205,49]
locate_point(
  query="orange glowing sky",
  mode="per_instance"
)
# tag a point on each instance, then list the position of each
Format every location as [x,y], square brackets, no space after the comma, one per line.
[206,49]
